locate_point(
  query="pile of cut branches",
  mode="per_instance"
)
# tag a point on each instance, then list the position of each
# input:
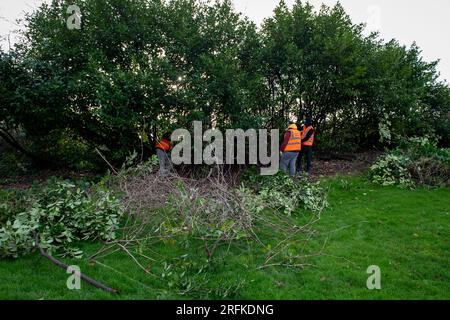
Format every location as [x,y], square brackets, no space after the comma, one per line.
[211,213]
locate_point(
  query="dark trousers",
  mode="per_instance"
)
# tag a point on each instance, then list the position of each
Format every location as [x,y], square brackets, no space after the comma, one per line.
[305,153]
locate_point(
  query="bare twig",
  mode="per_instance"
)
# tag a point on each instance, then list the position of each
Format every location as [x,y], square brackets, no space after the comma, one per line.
[109,164]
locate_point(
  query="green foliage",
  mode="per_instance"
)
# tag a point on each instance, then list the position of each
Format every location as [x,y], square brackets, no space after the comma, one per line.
[321,65]
[61,215]
[137,68]
[284,194]
[417,161]
[190,277]
[392,169]
[422,147]
[132,167]
[209,212]
[133,65]
[429,165]
[384,130]
[405,231]
[13,164]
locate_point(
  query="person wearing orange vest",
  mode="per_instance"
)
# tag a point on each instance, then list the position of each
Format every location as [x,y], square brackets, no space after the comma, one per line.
[290,148]
[163,147]
[307,134]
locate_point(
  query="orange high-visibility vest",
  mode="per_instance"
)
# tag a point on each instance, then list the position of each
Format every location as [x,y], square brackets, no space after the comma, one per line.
[164,144]
[310,141]
[295,141]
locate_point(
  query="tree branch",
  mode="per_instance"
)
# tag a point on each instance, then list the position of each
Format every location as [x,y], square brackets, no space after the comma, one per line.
[64,266]
[13,143]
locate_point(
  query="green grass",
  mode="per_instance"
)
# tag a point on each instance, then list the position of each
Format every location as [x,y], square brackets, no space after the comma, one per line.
[405,232]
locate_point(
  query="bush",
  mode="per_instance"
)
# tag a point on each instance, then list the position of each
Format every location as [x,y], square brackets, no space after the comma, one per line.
[417,161]
[12,165]
[284,194]
[392,169]
[62,215]
[12,201]
[429,171]
[424,147]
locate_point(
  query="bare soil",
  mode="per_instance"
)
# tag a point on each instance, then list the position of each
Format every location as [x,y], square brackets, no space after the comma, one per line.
[356,164]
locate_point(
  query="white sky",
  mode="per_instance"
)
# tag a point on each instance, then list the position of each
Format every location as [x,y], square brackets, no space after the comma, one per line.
[425,21]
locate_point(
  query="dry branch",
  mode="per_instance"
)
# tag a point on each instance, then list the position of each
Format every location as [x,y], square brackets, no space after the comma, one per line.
[199,200]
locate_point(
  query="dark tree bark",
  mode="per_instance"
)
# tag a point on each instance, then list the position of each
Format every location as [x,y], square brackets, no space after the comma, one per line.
[64,266]
[16,145]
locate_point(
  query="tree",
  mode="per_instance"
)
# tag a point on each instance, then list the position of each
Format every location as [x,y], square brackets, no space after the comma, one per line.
[137,68]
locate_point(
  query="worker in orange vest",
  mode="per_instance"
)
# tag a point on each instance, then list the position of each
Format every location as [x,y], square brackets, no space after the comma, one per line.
[290,148]
[307,135]
[163,147]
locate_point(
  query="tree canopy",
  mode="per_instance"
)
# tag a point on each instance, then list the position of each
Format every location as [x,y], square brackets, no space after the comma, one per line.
[139,67]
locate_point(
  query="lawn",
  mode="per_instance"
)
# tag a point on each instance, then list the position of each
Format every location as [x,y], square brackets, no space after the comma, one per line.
[404,232]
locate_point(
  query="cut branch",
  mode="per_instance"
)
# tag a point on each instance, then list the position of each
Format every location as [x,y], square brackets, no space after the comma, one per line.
[64,266]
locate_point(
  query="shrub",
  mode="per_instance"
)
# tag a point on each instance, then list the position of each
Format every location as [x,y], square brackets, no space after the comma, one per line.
[61,216]
[284,194]
[392,169]
[422,147]
[13,164]
[12,201]
[417,161]
[430,171]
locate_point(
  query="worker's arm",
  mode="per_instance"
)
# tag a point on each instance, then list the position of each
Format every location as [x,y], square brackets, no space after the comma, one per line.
[287,136]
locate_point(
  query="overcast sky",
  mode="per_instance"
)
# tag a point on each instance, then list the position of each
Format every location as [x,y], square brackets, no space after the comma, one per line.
[425,21]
